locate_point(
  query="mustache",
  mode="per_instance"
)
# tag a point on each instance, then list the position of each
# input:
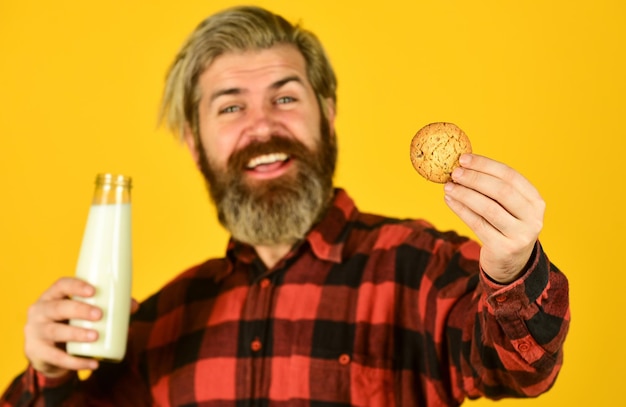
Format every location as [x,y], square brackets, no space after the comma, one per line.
[276,144]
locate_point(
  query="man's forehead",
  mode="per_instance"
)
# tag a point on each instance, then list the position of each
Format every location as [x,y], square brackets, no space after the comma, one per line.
[261,68]
[283,56]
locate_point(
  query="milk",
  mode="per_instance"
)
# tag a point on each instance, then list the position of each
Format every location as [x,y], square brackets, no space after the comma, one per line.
[105,262]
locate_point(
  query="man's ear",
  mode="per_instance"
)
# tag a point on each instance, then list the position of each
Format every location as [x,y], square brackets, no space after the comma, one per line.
[190,141]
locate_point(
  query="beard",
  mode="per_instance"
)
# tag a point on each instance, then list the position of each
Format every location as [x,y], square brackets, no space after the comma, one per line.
[276,211]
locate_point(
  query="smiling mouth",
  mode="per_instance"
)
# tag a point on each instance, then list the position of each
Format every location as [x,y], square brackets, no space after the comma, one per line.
[267,162]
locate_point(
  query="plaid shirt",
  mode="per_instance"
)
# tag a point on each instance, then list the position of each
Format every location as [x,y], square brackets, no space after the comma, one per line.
[367,311]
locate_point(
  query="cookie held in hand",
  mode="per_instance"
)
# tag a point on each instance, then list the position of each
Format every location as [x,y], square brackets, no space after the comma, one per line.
[436,148]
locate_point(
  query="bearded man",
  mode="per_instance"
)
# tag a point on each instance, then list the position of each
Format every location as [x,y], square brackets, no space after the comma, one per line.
[314,302]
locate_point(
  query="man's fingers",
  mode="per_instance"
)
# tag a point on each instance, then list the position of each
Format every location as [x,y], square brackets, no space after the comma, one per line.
[502,184]
[58,360]
[501,171]
[61,333]
[479,211]
[485,230]
[62,310]
[501,190]
[67,287]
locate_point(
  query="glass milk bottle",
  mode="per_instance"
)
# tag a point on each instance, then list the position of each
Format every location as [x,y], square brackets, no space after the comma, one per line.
[105,262]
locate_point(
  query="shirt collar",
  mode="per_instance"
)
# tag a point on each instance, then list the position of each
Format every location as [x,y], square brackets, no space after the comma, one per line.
[327,238]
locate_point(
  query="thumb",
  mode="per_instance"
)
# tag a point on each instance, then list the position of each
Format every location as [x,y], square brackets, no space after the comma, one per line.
[134,305]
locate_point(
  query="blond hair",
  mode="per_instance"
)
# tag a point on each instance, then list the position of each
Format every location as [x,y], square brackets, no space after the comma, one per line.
[238,29]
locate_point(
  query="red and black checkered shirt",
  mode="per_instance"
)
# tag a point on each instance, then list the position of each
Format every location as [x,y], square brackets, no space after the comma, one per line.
[367,311]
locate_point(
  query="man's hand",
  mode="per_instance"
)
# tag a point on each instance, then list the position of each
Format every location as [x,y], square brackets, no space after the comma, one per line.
[502,208]
[47,331]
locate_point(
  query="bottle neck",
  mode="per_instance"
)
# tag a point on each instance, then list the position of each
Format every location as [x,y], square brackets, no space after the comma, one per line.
[112,189]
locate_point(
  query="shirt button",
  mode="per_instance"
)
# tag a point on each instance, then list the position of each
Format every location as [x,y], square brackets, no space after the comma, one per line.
[256,345]
[265,283]
[523,347]
[344,359]
[501,298]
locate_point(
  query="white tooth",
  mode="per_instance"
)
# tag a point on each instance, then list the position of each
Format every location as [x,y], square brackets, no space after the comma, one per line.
[267,159]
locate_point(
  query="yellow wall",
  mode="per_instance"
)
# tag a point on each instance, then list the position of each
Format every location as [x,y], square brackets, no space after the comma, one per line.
[537,84]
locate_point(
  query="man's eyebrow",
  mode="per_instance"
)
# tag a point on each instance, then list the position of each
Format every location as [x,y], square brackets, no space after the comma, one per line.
[279,84]
[222,92]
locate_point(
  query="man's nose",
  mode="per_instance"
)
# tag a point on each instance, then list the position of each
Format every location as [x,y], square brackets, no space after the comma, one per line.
[261,123]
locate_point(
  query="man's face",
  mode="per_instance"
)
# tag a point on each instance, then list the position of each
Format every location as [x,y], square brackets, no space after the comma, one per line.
[265,151]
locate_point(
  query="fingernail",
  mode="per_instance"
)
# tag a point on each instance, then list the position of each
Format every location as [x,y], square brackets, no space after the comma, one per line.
[457,173]
[465,159]
[91,335]
[95,313]
[93,365]
[448,187]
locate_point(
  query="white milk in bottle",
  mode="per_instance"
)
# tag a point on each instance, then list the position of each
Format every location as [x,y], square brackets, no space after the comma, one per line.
[105,262]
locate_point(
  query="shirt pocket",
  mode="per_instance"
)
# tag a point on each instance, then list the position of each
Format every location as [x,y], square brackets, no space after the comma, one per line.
[348,378]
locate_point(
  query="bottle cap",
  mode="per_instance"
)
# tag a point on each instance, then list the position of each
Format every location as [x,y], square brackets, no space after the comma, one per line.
[113,179]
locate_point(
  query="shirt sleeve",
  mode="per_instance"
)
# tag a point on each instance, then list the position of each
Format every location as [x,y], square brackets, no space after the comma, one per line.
[513,345]
[33,389]
[112,385]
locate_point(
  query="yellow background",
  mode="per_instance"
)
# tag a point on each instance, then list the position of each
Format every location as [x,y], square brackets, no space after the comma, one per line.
[539,85]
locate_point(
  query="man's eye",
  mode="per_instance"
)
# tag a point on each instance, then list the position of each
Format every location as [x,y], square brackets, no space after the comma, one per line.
[285,99]
[230,109]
